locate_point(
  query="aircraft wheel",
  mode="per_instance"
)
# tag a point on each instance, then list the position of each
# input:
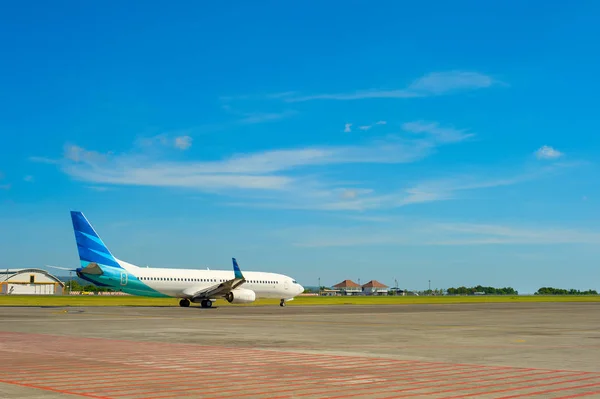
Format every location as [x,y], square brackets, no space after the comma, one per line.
[206,303]
[282,303]
[184,303]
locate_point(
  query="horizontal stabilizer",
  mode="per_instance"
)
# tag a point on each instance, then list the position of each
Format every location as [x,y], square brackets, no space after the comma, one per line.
[62,268]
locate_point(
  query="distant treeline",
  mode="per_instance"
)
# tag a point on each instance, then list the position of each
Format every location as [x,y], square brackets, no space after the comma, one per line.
[560,291]
[76,286]
[481,289]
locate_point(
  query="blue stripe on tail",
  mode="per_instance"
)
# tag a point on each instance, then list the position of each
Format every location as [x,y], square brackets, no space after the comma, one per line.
[89,245]
[236,270]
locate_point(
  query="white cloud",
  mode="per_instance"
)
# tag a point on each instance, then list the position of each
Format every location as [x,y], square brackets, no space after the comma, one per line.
[433,84]
[29,179]
[547,152]
[347,193]
[48,161]
[381,123]
[76,153]
[254,170]
[253,118]
[272,170]
[183,142]
[438,83]
[366,199]
[367,127]
[99,188]
[293,178]
[347,127]
[443,134]
[426,233]
[168,140]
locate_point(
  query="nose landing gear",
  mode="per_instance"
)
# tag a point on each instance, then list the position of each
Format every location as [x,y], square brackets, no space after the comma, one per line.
[282,303]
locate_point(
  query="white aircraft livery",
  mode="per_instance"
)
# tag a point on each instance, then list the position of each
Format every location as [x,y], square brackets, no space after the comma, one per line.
[100,267]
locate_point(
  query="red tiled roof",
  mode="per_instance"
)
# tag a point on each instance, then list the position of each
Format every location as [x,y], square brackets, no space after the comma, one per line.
[347,284]
[374,284]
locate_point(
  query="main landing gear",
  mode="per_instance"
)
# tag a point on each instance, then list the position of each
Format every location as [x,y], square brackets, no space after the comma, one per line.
[184,303]
[282,303]
[206,303]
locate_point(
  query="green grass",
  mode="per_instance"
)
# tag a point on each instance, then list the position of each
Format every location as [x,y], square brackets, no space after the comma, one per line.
[26,300]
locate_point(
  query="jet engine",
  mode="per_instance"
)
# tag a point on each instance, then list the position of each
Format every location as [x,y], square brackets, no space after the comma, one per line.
[240,295]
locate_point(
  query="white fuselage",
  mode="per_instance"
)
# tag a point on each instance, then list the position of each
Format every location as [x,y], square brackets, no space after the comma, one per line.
[179,282]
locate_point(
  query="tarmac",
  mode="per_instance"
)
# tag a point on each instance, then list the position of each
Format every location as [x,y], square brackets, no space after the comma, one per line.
[517,350]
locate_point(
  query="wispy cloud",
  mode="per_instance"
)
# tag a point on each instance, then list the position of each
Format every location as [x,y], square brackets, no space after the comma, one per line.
[45,160]
[168,140]
[272,170]
[246,171]
[99,188]
[347,127]
[433,84]
[250,118]
[428,233]
[420,192]
[295,178]
[547,152]
[365,127]
[183,142]
[381,123]
[443,134]
[29,179]
[253,118]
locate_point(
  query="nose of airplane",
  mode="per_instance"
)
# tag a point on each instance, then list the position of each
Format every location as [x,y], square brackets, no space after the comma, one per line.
[300,289]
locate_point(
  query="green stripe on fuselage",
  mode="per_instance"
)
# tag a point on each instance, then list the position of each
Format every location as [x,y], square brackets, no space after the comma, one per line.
[121,280]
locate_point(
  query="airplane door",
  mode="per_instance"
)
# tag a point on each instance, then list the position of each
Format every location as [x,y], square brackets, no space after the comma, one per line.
[123,278]
[286,285]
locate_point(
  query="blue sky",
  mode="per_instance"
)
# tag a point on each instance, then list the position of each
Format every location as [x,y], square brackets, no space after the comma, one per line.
[363,140]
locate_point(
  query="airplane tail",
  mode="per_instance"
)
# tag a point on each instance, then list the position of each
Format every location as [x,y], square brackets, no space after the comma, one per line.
[90,246]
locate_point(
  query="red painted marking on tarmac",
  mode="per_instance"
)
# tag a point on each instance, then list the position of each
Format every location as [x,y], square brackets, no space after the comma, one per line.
[262,352]
[579,395]
[153,370]
[525,387]
[51,389]
[550,390]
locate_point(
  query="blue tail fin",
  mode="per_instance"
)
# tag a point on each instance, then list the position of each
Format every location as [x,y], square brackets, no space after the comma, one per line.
[236,270]
[89,244]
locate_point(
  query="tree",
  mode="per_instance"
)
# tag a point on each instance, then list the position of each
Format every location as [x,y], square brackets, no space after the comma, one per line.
[561,291]
[479,288]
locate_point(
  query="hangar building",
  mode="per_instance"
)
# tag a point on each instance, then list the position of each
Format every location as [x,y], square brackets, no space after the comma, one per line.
[29,282]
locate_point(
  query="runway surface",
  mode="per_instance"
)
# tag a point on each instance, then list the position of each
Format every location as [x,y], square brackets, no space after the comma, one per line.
[497,351]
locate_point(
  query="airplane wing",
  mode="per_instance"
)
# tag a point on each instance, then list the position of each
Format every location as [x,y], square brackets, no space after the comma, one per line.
[217,290]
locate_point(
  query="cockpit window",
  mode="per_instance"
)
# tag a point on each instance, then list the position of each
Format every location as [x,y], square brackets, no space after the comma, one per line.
[294,282]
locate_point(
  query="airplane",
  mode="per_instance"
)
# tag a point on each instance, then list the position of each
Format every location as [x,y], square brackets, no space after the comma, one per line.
[100,267]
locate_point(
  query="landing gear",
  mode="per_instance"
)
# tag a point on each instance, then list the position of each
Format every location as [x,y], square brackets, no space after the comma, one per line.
[206,303]
[282,303]
[184,303]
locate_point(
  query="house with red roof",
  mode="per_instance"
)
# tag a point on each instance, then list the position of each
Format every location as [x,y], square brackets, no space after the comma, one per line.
[348,287]
[374,287]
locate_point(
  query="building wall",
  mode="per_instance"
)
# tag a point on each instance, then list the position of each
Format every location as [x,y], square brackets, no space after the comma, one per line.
[375,291]
[31,289]
[20,284]
[24,278]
